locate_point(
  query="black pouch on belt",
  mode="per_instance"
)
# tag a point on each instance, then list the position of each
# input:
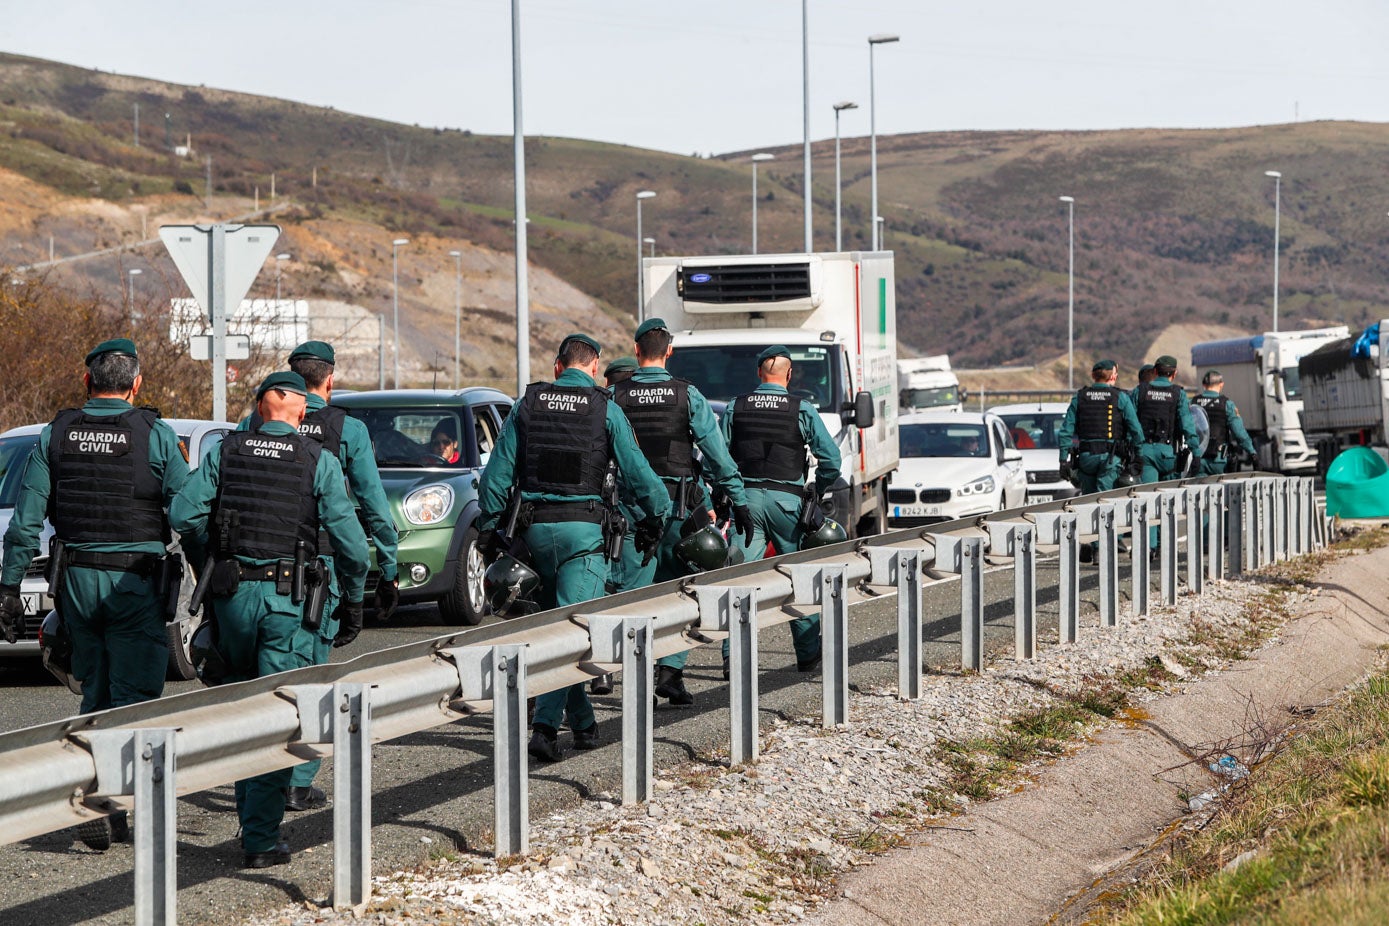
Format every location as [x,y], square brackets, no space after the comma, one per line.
[226,578]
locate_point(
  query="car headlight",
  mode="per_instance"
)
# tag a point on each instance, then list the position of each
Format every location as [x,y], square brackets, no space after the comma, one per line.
[428,505]
[978,487]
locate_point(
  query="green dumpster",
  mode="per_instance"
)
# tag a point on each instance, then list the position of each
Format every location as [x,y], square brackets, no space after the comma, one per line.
[1357,484]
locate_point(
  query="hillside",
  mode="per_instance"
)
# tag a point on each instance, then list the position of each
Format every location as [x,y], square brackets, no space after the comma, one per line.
[1173,227]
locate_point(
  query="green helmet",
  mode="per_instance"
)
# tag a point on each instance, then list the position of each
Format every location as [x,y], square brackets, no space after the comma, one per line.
[207,659]
[511,587]
[55,646]
[828,533]
[703,550]
[1125,480]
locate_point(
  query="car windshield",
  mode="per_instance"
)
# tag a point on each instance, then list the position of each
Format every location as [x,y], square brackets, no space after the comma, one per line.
[930,398]
[1034,430]
[427,437]
[1292,383]
[727,371]
[14,454]
[941,439]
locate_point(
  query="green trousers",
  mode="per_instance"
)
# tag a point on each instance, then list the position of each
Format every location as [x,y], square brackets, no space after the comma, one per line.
[260,633]
[120,651]
[1098,471]
[1213,466]
[569,559]
[303,775]
[774,517]
[661,568]
[1159,465]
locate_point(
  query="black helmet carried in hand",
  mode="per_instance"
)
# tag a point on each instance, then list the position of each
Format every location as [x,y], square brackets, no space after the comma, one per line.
[55,646]
[511,587]
[828,533]
[703,550]
[1126,479]
[212,669]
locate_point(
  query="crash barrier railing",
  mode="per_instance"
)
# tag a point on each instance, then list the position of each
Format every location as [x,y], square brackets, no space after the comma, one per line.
[141,757]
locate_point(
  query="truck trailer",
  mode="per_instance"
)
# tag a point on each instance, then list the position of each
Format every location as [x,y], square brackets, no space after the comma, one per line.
[1346,394]
[835,312]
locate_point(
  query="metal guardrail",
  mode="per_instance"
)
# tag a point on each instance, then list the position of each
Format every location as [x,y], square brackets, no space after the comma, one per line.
[143,756]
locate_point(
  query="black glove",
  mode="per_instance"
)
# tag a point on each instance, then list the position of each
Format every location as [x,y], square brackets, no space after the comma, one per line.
[349,615]
[11,612]
[489,544]
[1065,470]
[648,537]
[742,522]
[387,599]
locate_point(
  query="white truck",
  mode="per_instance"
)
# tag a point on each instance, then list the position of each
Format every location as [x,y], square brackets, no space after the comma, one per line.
[1261,376]
[1346,394]
[928,384]
[836,313]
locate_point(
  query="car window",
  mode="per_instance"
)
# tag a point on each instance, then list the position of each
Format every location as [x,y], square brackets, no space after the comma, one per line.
[1034,430]
[939,439]
[209,440]
[485,428]
[14,456]
[428,437]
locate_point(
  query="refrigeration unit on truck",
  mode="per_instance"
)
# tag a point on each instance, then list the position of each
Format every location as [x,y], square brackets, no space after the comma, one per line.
[928,384]
[836,313]
[1346,394]
[1261,376]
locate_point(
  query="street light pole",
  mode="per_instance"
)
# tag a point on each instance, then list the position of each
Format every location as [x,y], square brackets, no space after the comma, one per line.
[756,159]
[518,143]
[395,301]
[457,310]
[279,262]
[652,242]
[838,183]
[805,118]
[1277,221]
[873,40]
[131,274]
[641,279]
[1071,295]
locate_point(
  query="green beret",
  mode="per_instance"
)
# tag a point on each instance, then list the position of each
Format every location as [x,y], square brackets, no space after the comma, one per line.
[113,346]
[621,365]
[776,350]
[1166,360]
[313,350]
[1105,365]
[582,339]
[1146,368]
[285,381]
[651,324]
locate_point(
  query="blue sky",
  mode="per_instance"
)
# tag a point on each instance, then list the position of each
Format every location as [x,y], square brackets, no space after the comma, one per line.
[724,75]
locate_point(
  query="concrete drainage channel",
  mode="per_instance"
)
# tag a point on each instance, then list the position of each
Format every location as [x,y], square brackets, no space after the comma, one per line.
[142,756]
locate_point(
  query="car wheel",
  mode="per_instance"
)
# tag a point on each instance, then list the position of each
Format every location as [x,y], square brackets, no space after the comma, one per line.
[464,605]
[180,661]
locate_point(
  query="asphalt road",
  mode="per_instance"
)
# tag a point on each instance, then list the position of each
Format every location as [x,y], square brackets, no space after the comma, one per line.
[436,785]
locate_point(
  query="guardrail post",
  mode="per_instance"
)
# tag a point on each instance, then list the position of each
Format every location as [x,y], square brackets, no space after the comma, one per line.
[155,828]
[1235,521]
[902,568]
[1167,547]
[734,609]
[637,721]
[498,674]
[1309,516]
[351,795]
[1109,568]
[1297,537]
[1266,525]
[1196,517]
[1024,592]
[1280,520]
[1215,533]
[834,645]
[972,603]
[1069,569]
[1139,560]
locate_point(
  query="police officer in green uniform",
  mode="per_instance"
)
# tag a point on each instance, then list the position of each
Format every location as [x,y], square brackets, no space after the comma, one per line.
[104,475]
[619,370]
[556,447]
[260,500]
[1164,412]
[1227,427]
[347,439]
[1100,418]
[768,432]
[670,418]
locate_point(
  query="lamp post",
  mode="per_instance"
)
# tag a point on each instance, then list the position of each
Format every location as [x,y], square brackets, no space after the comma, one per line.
[838,183]
[396,245]
[279,263]
[1277,221]
[641,280]
[879,39]
[131,274]
[457,310]
[756,159]
[518,146]
[1071,294]
[652,242]
[805,117]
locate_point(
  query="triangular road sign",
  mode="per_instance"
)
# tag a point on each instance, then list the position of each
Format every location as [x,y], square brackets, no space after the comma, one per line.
[247,248]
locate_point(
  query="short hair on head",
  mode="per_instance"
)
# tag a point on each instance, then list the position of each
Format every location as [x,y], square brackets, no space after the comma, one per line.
[113,372]
[619,376]
[653,344]
[315,372]
[1164,370]
[574,353]
[773,365]
[1212,379]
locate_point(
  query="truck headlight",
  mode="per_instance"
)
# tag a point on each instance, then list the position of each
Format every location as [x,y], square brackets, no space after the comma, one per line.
[428,505]
[978,487]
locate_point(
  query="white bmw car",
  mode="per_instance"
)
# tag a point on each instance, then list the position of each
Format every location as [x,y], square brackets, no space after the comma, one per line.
[954,465]
[1033,427]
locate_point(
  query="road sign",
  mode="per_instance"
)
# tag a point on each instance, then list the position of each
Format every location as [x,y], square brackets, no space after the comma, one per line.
[238,346]
[247,248]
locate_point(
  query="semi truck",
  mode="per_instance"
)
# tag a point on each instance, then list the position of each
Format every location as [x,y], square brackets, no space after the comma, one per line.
[835,312]
[1346,394]
[1261,376]
[928,384]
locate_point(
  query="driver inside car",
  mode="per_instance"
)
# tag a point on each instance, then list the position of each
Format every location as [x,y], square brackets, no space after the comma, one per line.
[443,442]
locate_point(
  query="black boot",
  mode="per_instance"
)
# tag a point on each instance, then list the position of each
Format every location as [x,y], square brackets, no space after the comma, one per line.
[276,856]
[1087,554]
[96,834]
[602,685]
[670,684]
[586,738]
[305,798]
[544,745]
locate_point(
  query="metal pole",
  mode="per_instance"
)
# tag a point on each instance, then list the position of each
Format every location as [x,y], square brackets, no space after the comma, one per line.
[834,644]
[1071,302]
[1024,592]
[457,312]
[972,603]
[137,125]
[873,145]
[908,564]
[217,295]
[1068,567]
[637,667]
[641,283]
[511,808]
[380,352]
[155,827]
[744,745]
[754,206]
[838,190]
[523,326]
[352,795]
[1109,568]
[1277,234]
[1139,555]
[805,117]
[395,306]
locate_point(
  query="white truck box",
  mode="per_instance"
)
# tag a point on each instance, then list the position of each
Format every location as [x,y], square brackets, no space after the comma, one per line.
[928,384]
[1346,393]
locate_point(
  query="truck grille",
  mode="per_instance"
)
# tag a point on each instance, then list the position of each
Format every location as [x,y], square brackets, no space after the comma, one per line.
[735,284]
[935,496]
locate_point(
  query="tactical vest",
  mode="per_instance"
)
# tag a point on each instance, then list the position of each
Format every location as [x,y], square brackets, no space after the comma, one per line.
[323,425]
[1157,412]
[563,437]
[268,480]
[1097,409]
[660,417]
[1217,412]
[103,488]
[766,440]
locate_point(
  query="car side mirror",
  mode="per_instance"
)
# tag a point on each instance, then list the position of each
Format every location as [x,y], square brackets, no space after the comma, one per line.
[863,409]
[1012,456]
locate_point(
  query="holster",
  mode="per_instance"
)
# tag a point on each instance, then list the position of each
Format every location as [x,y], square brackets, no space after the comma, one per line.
[812,516]
[615,528]
[316,582]
[56,569]
[168,579]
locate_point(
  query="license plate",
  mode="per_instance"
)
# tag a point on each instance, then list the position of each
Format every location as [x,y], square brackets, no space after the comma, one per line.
[915,511]
[34,603]
[1041,498]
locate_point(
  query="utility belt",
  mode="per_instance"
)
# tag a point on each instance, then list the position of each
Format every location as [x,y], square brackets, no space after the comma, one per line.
[694,498]
[790,488]
[588,511]
[303,577]
[165,572]
[1097,446]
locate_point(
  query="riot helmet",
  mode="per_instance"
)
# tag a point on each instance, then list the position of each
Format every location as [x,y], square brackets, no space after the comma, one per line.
[55,646]
[511,587]
[828,533]
[703,550]
[208,663]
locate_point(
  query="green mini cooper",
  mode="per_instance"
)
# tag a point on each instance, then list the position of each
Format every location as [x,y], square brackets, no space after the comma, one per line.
[431,445]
